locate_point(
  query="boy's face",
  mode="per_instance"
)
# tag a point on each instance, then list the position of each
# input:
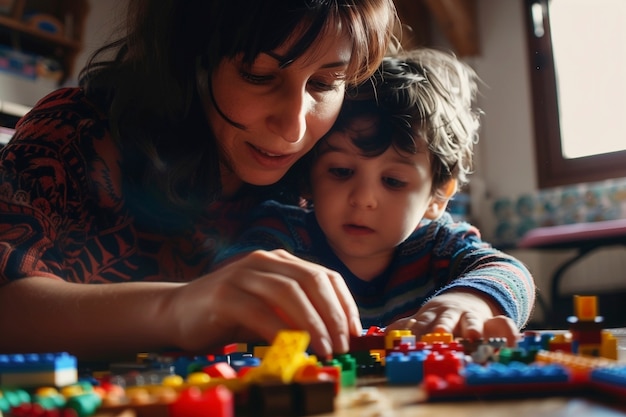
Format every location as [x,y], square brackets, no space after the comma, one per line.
[366,206]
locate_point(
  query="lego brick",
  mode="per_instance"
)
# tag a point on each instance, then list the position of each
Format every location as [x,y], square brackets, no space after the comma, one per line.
[270,398]
[405,369]
[216,401]
[313,397]
[514,372]
[586,307]
[32,370]
[286,354]
[36,362]
[614,377]
[443,364]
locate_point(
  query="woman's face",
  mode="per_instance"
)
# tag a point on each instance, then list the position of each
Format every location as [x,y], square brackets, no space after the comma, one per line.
[280,113]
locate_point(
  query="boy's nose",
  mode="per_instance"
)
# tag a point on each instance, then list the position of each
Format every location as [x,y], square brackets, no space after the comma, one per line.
[363,196]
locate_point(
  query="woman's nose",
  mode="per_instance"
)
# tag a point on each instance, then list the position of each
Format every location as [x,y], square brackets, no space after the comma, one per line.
[288,119]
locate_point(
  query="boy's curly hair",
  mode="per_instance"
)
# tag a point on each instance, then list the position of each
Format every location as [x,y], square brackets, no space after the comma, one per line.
[421,94]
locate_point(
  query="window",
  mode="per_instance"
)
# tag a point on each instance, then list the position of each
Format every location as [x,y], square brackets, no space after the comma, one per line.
[577,58]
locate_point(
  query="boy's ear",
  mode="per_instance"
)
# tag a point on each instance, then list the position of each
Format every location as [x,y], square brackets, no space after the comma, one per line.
[439,201]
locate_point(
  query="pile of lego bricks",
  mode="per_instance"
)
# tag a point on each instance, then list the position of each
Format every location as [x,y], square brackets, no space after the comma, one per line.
[288,381]
[284,379]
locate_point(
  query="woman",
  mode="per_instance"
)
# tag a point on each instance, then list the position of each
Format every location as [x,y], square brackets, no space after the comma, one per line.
[134,180]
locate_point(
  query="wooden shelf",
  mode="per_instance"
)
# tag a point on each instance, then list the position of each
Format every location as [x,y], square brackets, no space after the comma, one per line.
[26,29]
[63,45]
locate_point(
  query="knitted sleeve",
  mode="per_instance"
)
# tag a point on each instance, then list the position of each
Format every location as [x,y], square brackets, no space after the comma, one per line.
[462,260]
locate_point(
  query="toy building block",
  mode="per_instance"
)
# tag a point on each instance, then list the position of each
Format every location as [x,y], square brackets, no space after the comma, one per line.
[611,380]
[274,398]
[244,362]
[10,398]
[269,398]
[432,338]
[393,338]
[586,326]
[496,380]
[313,397]
[213,402]
[367,342]
[286,354]
[508,355]
[608,347]
[560,343]
[578,365]
[347,367]
[403,368]
[586,307]
[220,370]
[33,370]
[443,364]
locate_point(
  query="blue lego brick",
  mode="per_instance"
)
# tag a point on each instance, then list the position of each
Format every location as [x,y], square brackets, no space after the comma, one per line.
[36,362]
[405,369]
[613,375]
[514,373]
[245,361]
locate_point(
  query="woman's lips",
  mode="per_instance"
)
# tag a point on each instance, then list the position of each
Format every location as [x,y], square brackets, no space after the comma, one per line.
[272,160]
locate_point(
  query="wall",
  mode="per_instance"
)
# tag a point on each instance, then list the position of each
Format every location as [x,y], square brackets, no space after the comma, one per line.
[102,21]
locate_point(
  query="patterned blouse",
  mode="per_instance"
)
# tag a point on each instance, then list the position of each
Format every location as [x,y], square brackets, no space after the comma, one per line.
[65,213]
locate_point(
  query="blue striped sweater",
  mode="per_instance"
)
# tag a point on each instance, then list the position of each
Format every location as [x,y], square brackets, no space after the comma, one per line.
[438,256]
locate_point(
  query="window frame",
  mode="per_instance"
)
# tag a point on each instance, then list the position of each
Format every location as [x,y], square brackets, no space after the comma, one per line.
[552,168]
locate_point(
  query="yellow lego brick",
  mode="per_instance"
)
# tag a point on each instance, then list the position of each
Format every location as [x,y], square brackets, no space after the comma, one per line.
[586,307]
[608,349]
[395,335]
[283,358]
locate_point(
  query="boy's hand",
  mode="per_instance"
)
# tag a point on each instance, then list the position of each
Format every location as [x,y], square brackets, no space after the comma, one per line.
[464,314]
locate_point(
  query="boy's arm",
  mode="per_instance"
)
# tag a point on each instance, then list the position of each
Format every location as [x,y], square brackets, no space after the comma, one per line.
[474,283]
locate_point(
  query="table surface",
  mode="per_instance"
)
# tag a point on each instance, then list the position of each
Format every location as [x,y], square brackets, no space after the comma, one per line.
[408,401]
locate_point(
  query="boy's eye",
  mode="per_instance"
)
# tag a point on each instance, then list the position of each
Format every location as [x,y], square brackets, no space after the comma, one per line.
[340,173]
[393,183]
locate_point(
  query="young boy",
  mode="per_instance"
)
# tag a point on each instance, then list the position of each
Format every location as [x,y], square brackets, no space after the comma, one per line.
[379,186]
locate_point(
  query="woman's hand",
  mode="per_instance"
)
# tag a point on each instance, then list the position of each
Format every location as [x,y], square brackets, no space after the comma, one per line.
[260,294]
[463,314]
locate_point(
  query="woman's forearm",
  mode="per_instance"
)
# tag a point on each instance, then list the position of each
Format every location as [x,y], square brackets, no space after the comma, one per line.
[100,320]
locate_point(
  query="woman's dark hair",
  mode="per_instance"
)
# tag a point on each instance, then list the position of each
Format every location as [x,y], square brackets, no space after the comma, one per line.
[146,81]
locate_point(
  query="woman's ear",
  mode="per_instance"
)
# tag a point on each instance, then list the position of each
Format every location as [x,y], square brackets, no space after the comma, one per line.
[440,200]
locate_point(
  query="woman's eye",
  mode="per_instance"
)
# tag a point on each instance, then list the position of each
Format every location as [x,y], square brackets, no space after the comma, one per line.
[393,183]
[323,87]
[341,173]
[333,82]
[254,78]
